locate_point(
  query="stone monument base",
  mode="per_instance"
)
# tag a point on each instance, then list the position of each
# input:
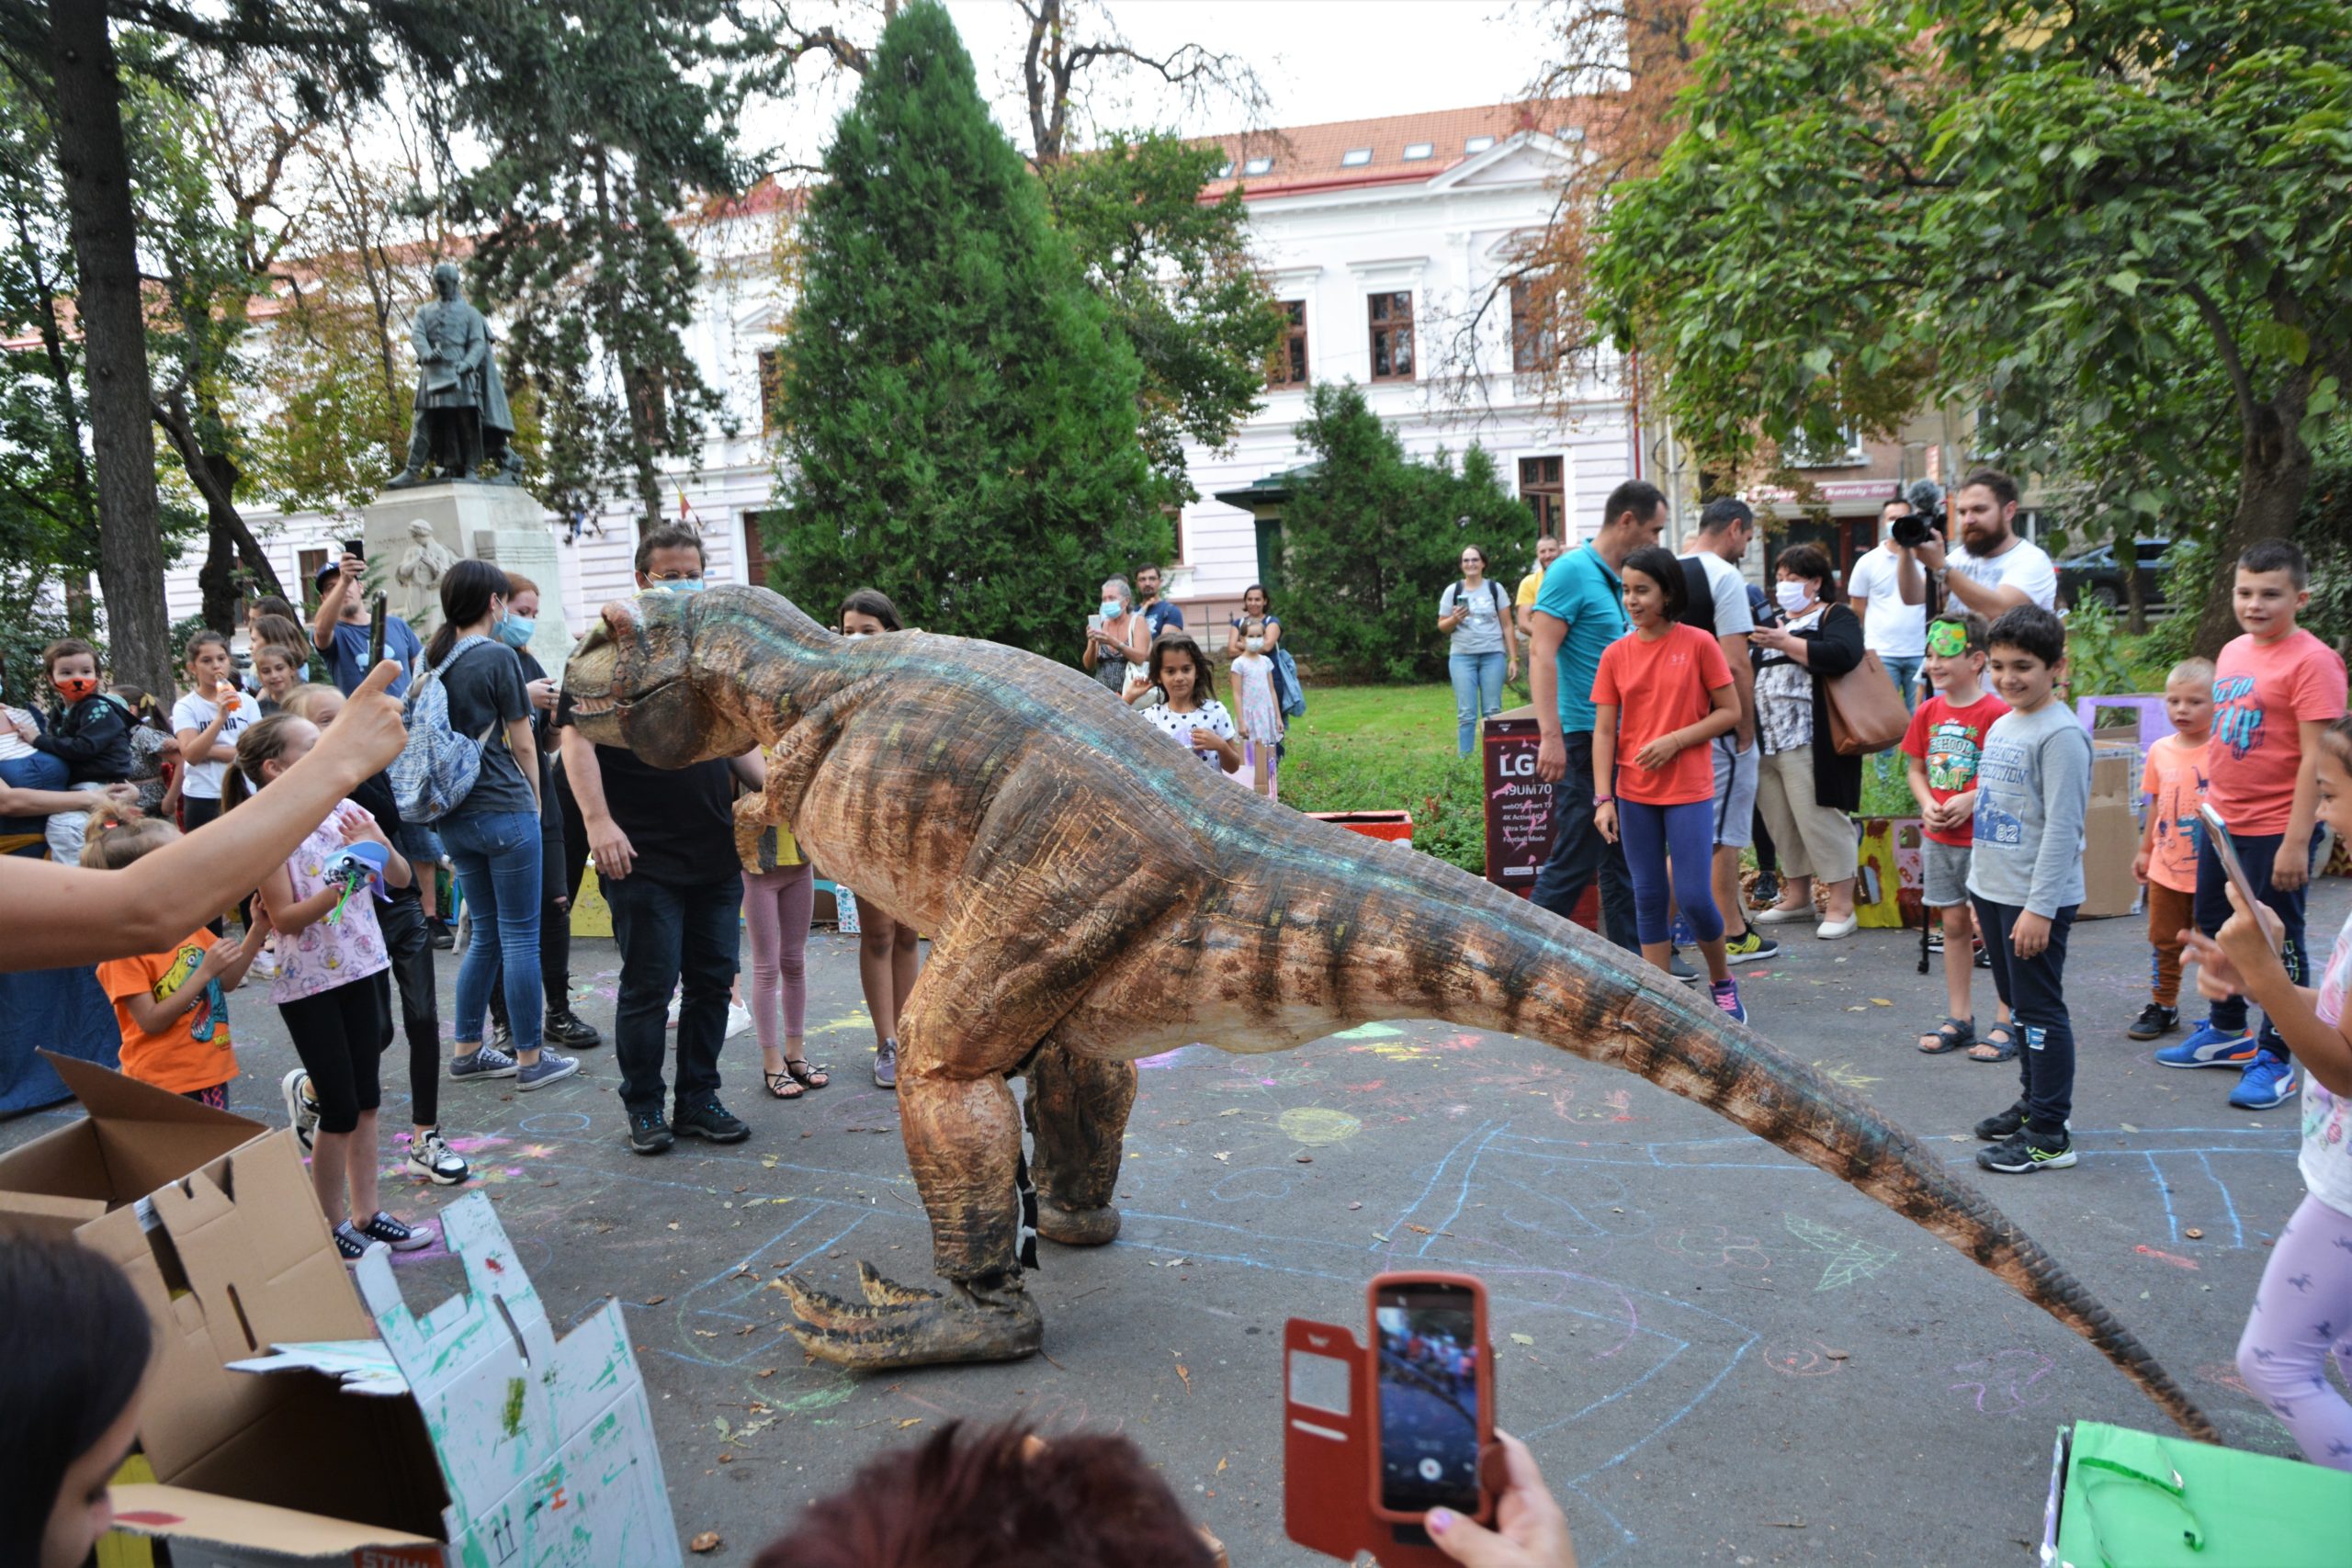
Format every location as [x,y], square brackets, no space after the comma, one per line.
[502,524]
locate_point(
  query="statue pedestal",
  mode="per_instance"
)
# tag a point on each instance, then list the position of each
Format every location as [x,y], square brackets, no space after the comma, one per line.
[502,524]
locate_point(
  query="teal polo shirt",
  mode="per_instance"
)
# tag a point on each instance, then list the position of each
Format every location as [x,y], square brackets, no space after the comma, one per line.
[1581,590]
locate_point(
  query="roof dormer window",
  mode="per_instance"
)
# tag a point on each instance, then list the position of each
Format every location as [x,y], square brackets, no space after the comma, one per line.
[1415,151]
[1355,157]
[1258,167]
[1477,144]
[1224,170]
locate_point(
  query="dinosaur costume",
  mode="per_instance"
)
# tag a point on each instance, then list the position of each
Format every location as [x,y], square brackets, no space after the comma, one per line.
[1095,903]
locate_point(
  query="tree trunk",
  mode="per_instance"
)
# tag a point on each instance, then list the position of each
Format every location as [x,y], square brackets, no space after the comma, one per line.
[229,545]
[97,174]
[2274,473]
[2135,600]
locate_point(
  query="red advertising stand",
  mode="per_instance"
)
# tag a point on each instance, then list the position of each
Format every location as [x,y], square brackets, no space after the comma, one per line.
[1519,810]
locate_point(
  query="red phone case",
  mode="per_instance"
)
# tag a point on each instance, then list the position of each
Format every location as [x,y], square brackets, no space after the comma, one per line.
[1477,1292]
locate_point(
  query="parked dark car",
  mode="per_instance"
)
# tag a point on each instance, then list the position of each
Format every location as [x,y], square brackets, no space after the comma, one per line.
[2095,575]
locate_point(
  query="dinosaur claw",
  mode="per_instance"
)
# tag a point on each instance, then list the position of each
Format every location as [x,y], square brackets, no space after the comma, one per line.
[900,1326]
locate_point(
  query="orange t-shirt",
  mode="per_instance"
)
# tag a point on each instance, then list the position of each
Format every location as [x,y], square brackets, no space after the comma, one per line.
[2261,694]
[1657,687]
[2174,783]
[193,1052]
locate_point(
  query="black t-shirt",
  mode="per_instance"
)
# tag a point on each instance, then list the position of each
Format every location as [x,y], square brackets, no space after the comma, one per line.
[681,821]
[485,688]
[543,732]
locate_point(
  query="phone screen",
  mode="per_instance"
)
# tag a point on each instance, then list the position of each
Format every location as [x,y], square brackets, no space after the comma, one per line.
[1428,1397]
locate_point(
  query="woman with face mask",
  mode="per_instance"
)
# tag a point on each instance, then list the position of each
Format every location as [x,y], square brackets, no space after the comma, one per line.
[1118,638]
[1806,790]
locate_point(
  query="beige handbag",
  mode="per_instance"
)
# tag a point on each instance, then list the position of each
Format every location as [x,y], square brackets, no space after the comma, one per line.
[1866,712]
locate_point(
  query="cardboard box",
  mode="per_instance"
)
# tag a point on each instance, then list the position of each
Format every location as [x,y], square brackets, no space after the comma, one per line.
[2111,838]
[468,1435]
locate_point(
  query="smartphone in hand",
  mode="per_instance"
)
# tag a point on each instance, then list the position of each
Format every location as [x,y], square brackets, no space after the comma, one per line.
[2227,852]
[375,634]
[1433,1395]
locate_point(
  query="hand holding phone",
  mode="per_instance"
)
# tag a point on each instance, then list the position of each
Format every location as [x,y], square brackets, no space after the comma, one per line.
[2218,831]
[375,632]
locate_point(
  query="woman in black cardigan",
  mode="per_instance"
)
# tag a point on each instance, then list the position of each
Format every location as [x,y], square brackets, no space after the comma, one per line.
[1805,788]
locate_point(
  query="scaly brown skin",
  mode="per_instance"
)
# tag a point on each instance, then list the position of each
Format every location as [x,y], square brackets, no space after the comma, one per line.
[1096,896]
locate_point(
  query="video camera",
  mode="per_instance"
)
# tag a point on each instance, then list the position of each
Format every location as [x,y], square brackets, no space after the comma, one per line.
[1925,519]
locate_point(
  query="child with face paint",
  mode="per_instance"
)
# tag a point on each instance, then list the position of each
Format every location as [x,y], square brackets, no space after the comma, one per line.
[89,731]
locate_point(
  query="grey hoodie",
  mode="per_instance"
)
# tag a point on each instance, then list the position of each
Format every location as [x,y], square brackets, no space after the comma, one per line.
[2033,785]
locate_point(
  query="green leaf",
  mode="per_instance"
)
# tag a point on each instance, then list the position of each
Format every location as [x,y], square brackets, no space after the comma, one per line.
[1817,361]
[2126,282]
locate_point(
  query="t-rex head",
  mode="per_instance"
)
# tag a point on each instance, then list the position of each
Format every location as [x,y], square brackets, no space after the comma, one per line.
[635,681]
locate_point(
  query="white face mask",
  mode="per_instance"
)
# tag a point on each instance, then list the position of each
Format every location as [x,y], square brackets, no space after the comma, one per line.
[1794,596]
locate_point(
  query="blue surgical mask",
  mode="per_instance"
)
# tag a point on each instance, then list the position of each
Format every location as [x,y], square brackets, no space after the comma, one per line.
[684,585]
[1113,609]
[515,631]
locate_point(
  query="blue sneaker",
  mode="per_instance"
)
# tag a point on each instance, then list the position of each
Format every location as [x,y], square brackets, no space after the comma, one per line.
[1727,996]
[2211,1047]
[2267,1081]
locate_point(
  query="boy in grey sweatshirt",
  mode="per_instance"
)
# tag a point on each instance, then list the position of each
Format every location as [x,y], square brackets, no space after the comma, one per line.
[2033,784]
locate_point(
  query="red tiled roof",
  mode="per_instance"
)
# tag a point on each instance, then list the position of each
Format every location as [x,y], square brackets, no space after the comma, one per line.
[1307,157]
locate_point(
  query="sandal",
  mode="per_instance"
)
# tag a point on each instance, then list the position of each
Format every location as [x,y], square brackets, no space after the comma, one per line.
[2003,1041]
[780,1085]
[1951,1034]
[814,1076]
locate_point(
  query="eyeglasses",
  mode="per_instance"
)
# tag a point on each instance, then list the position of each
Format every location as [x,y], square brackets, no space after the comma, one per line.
[673,577]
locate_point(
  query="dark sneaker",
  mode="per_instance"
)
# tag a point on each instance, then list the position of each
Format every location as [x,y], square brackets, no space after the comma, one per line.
[563,1026]
[482,1061]
[647,1133]
[1766,891]
[885,1064]
[710,1119]
[349,1243]
[2155,1019]
[429,1156]
[1935,939]
[1680,970]
[1749,946]
[400,1238]
[2006,1124]
[545,1071]
[2267,1081]
[2026,1151]
[437,932]
[301,1107]
[502,1039]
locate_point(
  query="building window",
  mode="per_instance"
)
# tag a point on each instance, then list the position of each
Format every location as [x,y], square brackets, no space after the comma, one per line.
[770,389]
[1532,347]
[755,553]
[312,563]
[1224,170]
[1842,450]
[1542,486]
[1258,167]
[1477,144]
[1356,158]
[1391,336]
[1417,151]
[1289,368]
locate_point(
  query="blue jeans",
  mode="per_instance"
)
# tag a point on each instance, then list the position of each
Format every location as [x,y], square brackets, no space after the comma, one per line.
[497,857]
[40,771]
[1907,678]
[668,934]
[1477,692]
[1580,856]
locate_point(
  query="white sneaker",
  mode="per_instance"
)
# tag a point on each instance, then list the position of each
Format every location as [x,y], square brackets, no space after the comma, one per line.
[301,1107]
[431,1158]
[677,1000]
[737,1020]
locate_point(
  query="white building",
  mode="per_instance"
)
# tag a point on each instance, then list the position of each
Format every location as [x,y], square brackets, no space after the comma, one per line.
[1379,234]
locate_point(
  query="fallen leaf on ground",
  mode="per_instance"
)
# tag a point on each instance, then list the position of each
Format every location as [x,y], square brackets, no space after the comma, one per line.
[1523,1339]
[1220,1467]
[1417,1230]
[909,1421]
[707,1542]
[765,1373]
[1187,1375]
[1881,1002]
[1226,1154]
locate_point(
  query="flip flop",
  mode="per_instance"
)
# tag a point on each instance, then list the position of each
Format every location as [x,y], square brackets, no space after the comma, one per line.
[814,1075]
[781,1086]
[2005,1046]
[1952,1034]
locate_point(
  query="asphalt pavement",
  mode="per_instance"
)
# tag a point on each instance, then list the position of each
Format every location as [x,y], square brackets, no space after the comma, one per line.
[1718,1354]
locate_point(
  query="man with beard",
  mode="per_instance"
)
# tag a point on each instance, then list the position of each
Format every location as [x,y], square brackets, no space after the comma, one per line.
[1996,570]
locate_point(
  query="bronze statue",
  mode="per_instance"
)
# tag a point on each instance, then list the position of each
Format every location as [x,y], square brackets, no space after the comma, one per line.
[462,421]
[1094,900]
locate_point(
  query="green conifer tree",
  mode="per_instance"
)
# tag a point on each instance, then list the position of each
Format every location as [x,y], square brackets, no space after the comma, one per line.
[957,418]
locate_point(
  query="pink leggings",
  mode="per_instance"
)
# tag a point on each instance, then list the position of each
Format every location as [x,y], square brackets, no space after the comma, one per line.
[776,905]
[2301,1312]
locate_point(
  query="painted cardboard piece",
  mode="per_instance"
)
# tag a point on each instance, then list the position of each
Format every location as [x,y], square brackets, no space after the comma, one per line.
[538,1452]
[2110,834]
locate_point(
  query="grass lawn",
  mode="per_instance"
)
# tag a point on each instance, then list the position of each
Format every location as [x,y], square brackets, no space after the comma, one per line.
[1389,748]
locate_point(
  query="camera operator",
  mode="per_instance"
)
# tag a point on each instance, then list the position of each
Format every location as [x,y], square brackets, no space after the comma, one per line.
[1895,631]
[1996,570]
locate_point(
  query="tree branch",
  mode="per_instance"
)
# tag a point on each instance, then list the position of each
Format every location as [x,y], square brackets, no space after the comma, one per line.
[2241,384]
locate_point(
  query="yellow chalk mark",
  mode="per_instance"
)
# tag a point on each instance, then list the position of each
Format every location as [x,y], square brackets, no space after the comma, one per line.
[1316,1126]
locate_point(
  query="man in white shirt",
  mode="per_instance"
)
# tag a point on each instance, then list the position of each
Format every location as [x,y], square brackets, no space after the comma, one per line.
[1996,568]
[1894,630]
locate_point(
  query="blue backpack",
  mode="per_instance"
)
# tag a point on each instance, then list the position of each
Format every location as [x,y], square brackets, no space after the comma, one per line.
[1287,691]
[436,768]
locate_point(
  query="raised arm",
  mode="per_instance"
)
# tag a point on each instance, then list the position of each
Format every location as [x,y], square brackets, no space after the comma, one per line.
[87,917]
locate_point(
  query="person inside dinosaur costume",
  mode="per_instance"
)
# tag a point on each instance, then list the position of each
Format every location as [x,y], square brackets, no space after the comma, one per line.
[1091,903]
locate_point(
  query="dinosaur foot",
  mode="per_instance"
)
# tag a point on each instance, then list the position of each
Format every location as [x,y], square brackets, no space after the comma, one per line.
[1076,1228]
[898,1325]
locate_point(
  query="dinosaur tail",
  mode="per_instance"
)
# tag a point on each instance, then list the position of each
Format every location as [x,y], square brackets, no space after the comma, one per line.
[1503,965]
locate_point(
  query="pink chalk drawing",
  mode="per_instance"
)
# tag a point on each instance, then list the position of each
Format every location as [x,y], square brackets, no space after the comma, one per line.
[2004,1383]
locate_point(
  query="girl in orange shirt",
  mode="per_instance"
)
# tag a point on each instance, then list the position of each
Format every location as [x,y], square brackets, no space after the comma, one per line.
[1663,691]
[171,1006]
